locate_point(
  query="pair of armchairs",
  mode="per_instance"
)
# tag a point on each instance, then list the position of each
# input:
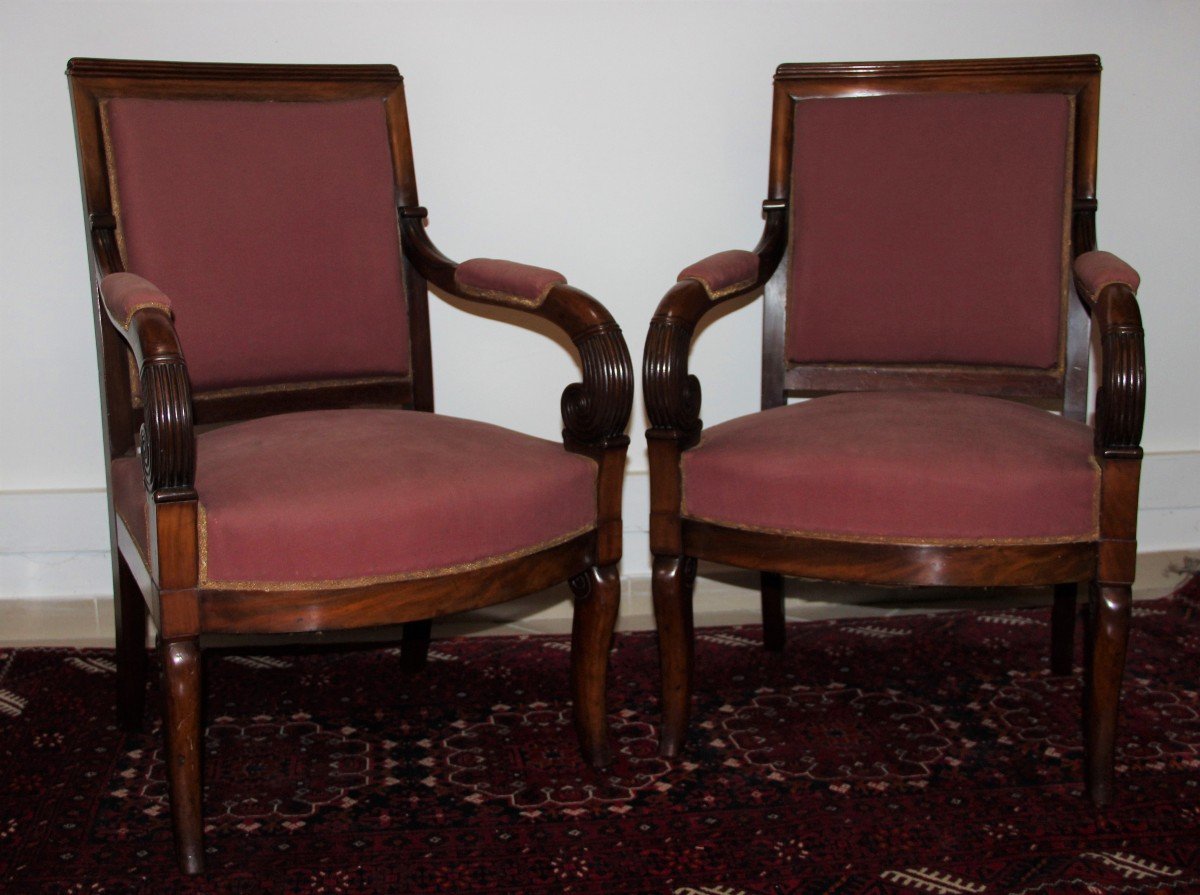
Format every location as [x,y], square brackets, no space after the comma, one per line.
[928,252]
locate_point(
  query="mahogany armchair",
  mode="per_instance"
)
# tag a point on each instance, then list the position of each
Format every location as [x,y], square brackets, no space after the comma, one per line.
[260,266]
[928,268]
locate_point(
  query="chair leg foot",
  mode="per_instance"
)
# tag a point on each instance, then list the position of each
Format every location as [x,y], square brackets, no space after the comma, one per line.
[774,632]
[414,644]
[597,599]
[129,609]
[1062,629]
[181,673]
[1108,634]
[674,577]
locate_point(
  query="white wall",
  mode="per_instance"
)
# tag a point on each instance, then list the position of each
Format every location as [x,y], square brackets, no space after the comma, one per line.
[614,141]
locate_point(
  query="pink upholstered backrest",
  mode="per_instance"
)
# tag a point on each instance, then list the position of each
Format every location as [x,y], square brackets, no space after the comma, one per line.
[272,228]
[929,228]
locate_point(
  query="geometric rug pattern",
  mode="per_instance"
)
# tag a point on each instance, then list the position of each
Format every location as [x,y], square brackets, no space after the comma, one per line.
[915,755]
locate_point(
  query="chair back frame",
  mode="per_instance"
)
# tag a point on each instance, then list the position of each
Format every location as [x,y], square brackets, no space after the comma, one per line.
[1063,386]
[95,81]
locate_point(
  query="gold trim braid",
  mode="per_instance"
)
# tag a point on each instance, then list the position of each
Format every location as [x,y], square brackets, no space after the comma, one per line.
[897,540]
[334,583]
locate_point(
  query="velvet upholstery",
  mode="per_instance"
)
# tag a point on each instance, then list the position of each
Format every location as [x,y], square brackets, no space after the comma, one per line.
[905,467]
[125,294]
[507,280]
[724,271]
[929,228]
[272,226]
[1095,270]
[350,496]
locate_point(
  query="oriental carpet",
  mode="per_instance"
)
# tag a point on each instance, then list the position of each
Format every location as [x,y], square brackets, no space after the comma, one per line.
[891,756]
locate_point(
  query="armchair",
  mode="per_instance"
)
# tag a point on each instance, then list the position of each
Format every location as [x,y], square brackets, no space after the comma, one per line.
[928,268]
[260,267]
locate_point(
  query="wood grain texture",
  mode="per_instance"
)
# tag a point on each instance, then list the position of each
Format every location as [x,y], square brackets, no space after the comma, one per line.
[263,612]
[673,584]
[1108,635]
[909,565]
[597,594]
[181,724]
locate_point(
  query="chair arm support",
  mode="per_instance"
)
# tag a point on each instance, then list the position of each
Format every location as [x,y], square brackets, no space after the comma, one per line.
[596,410]
[1121,397]
[1108,288]
[724,272]
[142,315]
[124,294]
[1095,270]
[672,394]
[507,282]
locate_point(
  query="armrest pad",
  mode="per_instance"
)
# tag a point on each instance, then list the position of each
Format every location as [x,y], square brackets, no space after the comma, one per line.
[1095,270]
[723,272]
[124,294]
[509,281]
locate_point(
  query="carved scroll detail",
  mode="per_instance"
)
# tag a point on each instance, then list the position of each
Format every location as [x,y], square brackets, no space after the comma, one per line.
[596,410]
[581,586]
[1121,399]
[167,439]
[672,395]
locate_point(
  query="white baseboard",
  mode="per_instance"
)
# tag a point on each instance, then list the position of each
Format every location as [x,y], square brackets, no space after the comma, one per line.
[54,544]
[723,596]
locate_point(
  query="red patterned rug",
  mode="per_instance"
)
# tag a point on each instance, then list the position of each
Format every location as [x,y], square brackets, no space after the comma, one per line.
[929,754]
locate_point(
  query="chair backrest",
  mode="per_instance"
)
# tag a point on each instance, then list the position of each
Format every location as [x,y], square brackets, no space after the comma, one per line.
[262,200]
[934,209]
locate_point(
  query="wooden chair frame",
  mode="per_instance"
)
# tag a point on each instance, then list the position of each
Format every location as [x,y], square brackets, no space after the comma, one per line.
[673,403]
[161,420]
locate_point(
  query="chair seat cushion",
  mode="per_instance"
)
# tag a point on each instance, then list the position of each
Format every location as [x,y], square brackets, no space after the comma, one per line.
[345,497]
[900,467]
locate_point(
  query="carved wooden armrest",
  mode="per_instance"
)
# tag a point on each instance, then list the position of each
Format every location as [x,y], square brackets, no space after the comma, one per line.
[1121,398]
[507,282]
[1095,270]
[596,410]
[1108,287]
[124,294]
[142,314]
[672,395]
[724,273]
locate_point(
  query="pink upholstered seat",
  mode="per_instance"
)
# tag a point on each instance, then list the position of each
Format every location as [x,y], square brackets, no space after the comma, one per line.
[350,496]
[905,467]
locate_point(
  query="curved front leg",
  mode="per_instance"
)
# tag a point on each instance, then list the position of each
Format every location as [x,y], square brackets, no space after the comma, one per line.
[597,599]
[1108,636]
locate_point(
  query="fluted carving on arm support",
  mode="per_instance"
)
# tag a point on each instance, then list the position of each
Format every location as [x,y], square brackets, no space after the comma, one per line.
[596,410]
[1121,398]
[168,441]
[672,394]
[167,436]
